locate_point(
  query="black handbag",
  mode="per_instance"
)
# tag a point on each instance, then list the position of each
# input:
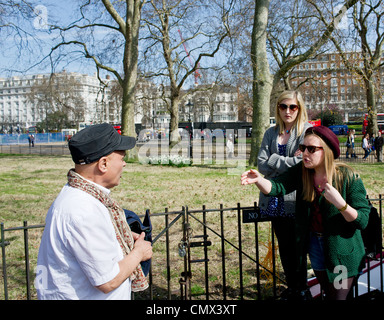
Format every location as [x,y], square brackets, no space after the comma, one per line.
[372,236]
[137,226]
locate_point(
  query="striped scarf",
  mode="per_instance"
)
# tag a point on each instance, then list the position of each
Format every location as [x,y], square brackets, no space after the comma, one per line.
[119,222]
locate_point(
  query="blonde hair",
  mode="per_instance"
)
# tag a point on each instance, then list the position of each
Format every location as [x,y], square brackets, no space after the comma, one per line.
[301,117]
[332,169]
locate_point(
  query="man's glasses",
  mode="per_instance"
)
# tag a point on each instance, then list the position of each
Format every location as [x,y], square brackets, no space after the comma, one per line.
[283,106]
[311,149]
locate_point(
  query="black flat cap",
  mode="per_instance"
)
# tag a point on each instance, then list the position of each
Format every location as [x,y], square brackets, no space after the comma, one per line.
[94,142]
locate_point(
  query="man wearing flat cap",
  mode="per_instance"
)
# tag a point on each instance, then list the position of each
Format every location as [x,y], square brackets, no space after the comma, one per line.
[88,250]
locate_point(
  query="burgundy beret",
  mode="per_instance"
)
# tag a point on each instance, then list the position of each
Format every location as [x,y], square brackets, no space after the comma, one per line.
[328,136]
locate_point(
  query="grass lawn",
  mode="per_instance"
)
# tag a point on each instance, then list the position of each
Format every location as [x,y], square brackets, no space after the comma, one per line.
[29,184]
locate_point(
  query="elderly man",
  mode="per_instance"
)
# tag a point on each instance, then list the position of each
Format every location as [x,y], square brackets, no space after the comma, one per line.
[88,250]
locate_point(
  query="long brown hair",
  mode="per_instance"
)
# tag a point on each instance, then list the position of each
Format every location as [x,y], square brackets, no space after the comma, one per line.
[335,176]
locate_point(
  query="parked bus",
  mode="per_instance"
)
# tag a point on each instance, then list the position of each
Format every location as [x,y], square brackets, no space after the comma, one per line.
[32,129]
[380,123]
[315,123]
[68,133]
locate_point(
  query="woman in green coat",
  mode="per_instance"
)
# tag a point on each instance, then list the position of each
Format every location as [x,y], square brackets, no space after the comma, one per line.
[331,211]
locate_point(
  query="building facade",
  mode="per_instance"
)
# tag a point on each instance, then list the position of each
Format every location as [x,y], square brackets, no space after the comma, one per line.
[27,100]
[325,81]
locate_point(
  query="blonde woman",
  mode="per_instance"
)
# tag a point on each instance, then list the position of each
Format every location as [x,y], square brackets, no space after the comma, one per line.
[278,152]
[331,211]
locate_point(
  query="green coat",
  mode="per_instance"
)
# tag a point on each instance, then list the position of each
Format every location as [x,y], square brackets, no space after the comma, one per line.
[343,242]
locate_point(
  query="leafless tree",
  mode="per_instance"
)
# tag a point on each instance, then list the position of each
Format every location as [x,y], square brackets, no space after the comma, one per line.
[107,33]
[177,30]
[19,21]
[57,94]
[365,36]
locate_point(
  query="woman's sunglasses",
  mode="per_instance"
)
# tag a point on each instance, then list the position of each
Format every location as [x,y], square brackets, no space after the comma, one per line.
[311,149]
[283,106]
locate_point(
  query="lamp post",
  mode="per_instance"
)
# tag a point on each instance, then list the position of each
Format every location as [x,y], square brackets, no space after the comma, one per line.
[189,105]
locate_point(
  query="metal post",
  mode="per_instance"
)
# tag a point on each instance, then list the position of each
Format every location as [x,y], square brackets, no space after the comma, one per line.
[205,237]
[185,280]
[223,253]
[273,260]
[257,257]
[26,252]
[4,262]
[381,241]
[240,250]
[167,253]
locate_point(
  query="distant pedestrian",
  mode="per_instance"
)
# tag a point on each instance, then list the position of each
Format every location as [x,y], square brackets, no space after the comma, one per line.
[31,140]
[230,147]
[366,146]
[379,147]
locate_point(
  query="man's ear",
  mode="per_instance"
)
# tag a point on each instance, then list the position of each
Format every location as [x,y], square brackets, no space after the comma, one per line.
[102,164]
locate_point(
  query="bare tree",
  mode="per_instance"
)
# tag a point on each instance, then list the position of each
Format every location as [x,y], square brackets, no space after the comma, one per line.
[19,21]
[365,35]
[164,21]
[57,94]
[107,33]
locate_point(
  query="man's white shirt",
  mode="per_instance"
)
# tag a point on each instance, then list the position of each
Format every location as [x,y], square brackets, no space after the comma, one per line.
[78,250]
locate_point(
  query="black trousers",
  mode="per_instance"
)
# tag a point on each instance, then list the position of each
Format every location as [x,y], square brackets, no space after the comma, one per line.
[295,274]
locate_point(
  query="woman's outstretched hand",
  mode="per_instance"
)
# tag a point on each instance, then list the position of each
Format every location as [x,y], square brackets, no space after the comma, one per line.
[250,177]
[254,177]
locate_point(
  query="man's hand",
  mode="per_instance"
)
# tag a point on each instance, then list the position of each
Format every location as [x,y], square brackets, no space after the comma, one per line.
[142,246]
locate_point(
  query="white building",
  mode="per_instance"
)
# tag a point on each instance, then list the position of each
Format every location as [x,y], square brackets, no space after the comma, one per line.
[205,103]
[26,101]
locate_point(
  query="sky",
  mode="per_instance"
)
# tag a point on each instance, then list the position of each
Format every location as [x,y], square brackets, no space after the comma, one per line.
[19,53]
[38,40]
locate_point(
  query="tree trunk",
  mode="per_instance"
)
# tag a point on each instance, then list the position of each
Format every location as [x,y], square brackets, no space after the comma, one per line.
[128,112]
[371,108]
[174,137]
[262,79]
[130,61]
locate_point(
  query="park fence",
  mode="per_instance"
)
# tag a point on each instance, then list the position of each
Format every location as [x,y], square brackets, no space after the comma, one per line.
[203,254]
[17,139]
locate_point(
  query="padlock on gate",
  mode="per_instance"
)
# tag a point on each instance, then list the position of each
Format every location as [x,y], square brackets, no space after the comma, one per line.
[182,249]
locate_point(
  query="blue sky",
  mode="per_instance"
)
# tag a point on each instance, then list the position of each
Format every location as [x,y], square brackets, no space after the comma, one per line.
[37,42]
[19,53]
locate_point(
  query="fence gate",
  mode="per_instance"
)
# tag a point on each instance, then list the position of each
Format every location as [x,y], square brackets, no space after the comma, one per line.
[228,254]
[218,254]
